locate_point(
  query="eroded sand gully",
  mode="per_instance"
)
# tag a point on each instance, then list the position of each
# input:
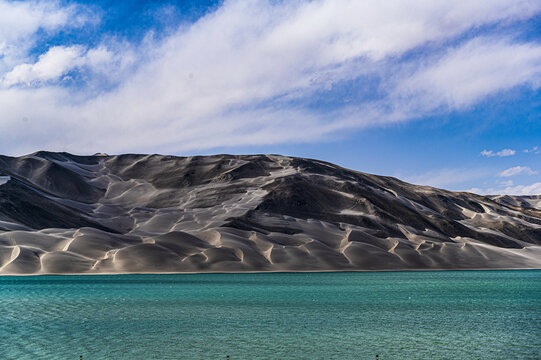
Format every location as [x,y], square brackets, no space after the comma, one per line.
[61,213]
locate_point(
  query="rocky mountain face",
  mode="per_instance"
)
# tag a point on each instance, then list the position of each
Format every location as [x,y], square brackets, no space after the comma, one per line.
[62,213]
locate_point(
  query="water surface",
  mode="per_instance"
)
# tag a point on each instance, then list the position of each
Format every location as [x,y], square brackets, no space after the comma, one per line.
[399,315]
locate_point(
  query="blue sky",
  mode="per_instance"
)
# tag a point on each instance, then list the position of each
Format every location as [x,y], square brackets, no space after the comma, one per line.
[438,93]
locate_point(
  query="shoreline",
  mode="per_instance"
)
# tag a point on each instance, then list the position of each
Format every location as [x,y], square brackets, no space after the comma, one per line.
[267,272]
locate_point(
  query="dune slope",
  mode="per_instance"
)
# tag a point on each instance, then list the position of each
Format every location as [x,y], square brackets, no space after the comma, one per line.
[62,213]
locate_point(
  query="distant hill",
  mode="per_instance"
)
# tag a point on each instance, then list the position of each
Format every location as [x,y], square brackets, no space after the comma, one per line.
[62,213]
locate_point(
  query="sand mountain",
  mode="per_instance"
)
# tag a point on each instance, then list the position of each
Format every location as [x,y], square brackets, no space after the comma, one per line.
[62,213]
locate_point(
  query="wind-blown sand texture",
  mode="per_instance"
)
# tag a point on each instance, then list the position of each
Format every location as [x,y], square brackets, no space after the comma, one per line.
[61,213]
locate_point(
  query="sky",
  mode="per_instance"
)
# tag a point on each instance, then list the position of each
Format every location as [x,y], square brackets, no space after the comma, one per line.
[439,93]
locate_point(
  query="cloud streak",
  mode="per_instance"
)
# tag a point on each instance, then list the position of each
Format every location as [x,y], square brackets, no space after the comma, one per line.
[470,72]
[257,72]
[534,150]
[447,177]
[501,153]
[517,170]
[528,189]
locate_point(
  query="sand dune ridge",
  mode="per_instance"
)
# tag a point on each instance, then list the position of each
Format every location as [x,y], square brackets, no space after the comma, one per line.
[63,213]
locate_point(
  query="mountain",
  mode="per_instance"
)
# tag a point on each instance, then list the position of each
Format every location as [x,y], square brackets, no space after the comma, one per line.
[63,213]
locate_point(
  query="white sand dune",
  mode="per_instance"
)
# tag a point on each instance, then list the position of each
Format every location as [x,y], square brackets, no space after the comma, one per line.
[66,214]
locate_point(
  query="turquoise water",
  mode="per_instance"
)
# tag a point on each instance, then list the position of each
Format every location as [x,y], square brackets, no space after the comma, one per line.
[399,315]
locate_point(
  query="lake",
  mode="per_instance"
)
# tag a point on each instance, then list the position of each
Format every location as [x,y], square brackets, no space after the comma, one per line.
[342,315]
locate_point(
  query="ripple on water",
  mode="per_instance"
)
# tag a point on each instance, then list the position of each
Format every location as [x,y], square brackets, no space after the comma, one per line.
[401,315]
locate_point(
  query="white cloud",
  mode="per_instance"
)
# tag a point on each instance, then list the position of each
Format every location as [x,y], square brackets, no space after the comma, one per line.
[530,189]
[501,153]
[517,170]
[534,150]
[507,183]
[20,22]
[247,73]
[52,65]
[470,72]
[487,153]
[60,60]
[446,177]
